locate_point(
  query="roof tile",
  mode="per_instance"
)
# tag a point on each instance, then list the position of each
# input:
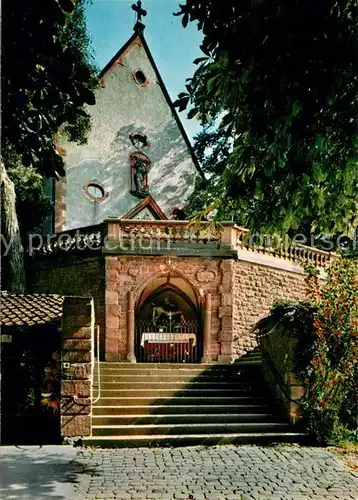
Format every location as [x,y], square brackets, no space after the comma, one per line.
[29,309]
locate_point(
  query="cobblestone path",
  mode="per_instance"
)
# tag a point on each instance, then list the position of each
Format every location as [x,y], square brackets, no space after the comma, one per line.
[214,473]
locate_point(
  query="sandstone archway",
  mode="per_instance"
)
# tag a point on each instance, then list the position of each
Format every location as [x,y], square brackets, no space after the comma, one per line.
[168,319]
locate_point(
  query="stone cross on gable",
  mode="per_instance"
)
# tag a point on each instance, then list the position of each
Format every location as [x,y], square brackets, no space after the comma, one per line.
[140,12]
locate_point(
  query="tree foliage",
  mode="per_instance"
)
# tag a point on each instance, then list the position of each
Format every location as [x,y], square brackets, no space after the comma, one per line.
[33,204]
[277,90]
[47,79]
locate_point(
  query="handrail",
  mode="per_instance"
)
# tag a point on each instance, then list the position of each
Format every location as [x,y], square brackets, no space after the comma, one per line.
[75,400]
[327,253]
[278,377]
[170,222]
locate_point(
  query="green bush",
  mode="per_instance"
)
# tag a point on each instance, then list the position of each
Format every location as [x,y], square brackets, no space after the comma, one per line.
[330,400]
[326,352]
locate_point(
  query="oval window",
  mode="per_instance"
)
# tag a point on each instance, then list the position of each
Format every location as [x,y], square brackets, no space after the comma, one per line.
[140,78]
[95,191]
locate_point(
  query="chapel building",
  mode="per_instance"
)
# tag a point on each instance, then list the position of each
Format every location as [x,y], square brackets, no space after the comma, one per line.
[163,290]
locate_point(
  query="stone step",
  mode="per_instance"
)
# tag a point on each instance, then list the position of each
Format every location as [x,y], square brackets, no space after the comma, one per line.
[167,404]
[190,418]
[176,385]
[185,428]
[181,400]
[168,375]
[156,366]
[194,439]
[244,374]
[193,409]
[152,368]
[176,392]
[179,375]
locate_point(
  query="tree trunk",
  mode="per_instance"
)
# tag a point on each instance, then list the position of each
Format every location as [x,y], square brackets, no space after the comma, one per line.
[12,251]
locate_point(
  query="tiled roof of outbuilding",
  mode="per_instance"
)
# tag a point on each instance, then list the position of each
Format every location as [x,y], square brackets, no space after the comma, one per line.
[29,309]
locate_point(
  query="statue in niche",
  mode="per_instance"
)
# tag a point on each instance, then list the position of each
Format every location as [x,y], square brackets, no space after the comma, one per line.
[140,175]
[139,167]
[166,311]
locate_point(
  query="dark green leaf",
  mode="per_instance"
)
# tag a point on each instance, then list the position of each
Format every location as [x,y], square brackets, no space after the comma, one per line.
[66,5]
[185,20]
[193,112]
[200,59]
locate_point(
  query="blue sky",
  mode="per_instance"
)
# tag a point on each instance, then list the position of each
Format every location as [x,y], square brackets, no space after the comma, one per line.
[110,24]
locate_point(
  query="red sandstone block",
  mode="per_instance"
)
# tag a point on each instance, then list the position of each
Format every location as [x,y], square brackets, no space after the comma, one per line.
[112,322]
[79,388]
[226,323]
[226,299]
[112,286]
[76,356]
[225,288]
[76,426]
[111,262]
[112,275]
[76,332]
[112,332]
[112,344]
[69,407]
[77,371]
[225,348]
[113,310]
[227,265]
[225,311]
[76,345]
[225,336]
[111,297]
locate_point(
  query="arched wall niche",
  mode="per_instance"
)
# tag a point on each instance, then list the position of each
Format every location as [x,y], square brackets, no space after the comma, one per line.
[168,318]
[174,278]
[171,292]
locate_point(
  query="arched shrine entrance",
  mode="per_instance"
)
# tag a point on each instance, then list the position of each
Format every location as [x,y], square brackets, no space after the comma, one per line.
[168,322]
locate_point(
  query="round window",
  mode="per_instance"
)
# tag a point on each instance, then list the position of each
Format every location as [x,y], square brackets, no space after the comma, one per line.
[140,78]
[95,191]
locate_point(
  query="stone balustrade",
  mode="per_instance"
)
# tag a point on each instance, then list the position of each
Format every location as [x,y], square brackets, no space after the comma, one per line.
[87,238]
[148,237]
[284,250]
[158,237]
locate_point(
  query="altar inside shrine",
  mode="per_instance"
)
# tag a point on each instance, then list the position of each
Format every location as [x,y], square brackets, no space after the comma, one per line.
[168,338]
[168,347]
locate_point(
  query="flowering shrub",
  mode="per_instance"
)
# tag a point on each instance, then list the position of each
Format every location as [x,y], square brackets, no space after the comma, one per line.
[330,400]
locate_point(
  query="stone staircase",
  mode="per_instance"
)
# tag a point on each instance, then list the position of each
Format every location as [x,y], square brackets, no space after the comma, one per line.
[181,404]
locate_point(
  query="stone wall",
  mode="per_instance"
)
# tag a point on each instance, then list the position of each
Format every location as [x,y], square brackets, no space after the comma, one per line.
[242,293]
[77,364]
[255,289]
[132,273]
[279,352]
[71,275]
